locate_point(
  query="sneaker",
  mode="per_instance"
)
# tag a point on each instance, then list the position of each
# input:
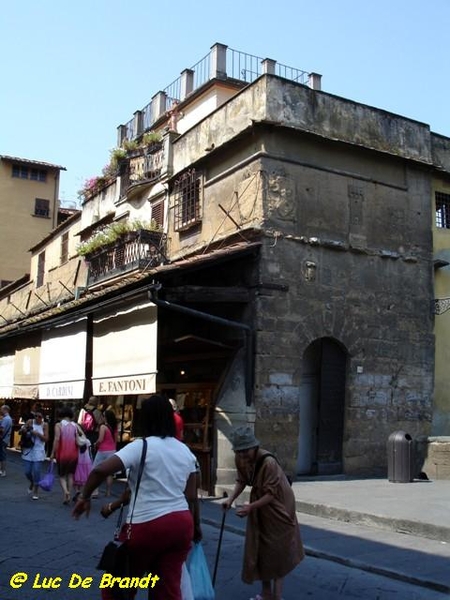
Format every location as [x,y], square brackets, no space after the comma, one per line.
[2,473]
[35,497]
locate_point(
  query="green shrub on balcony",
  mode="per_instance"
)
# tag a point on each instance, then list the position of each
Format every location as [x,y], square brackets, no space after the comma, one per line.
[109,235]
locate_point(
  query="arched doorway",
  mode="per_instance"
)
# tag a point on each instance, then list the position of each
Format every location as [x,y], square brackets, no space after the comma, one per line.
[321,408]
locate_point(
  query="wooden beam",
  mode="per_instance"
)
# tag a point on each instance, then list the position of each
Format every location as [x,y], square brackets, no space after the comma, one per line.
[197,293]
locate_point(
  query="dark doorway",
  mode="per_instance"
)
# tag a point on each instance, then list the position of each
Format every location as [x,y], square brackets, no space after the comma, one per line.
[321,408]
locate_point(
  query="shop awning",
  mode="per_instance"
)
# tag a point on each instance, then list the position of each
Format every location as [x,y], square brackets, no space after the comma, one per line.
[6,375]
[124,350]
[62,370]
[26,367]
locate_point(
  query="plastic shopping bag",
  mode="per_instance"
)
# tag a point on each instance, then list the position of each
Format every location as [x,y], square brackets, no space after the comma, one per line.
[198,570]
[46,483]
[186,586]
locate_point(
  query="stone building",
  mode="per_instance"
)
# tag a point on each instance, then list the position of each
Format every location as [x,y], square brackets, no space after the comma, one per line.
[280,274]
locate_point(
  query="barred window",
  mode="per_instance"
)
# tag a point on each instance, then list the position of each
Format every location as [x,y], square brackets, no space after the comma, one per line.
[442,210]
[187,193]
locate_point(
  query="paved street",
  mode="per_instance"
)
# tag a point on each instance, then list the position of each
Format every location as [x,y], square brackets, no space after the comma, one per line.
[40,539]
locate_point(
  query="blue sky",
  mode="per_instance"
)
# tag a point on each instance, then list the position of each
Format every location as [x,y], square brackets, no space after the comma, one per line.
[73,71]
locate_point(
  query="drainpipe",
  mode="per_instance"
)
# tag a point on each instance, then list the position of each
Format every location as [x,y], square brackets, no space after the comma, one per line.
[249,364]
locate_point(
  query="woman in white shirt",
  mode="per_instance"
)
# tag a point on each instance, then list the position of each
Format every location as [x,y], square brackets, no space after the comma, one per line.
[164,517]
[35,456]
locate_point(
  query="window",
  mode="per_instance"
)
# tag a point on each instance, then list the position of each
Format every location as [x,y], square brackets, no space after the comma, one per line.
[187,200]
[442,210]
[23,172]
[158,213]
[40,270]
[64,247]
[41,208]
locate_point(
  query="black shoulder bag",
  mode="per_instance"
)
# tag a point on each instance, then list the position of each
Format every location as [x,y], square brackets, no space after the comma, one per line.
[115,559]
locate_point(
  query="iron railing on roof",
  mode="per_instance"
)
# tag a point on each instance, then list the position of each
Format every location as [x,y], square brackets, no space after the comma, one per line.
[238,65]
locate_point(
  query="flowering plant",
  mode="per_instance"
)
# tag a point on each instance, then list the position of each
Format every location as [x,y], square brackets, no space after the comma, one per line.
[110,233]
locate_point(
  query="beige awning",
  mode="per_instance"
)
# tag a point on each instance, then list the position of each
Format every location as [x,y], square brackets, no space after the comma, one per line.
[6,375]
[26,367]
[63,361]
[125,351]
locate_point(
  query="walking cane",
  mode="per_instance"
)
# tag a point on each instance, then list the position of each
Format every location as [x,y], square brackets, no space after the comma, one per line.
[218,547]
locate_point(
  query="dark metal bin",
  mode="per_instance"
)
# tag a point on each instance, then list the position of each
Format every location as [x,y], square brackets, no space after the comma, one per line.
[400,451]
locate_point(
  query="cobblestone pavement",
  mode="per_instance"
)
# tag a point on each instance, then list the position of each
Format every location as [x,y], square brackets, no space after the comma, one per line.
[40,540]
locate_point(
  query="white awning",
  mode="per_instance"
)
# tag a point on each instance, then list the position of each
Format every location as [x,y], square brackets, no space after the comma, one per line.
[125,351]
[26,367]
[6,375]
[63,361]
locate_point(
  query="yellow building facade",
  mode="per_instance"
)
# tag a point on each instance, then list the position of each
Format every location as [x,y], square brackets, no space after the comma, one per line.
[28,211]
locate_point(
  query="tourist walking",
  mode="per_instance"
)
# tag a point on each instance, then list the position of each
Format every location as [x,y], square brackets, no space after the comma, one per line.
[34,456]
[65,451]
[164,512]
[5,436]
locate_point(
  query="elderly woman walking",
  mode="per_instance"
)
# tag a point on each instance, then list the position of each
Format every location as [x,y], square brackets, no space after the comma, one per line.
[273,547]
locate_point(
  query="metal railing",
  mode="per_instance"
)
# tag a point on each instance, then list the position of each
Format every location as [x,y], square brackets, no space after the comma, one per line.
[140,250]
[239,66]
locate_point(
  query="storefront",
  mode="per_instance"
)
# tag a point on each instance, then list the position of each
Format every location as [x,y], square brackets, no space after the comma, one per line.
[62,370]
[124,359]
[26,380]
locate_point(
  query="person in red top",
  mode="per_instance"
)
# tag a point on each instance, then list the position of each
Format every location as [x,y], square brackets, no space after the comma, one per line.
[179,424]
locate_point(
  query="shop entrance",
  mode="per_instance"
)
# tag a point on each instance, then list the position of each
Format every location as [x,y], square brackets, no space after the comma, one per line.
[321,408]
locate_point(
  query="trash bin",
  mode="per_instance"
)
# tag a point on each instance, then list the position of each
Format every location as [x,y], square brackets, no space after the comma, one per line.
[400,457]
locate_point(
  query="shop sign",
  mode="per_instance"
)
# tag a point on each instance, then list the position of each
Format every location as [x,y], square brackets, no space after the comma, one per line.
[60,391]
[144,384]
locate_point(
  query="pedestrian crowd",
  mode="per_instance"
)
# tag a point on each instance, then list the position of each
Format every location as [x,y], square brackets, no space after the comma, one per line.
[162,525]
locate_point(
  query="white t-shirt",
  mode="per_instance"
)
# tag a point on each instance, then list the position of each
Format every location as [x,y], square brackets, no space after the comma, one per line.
[168,465]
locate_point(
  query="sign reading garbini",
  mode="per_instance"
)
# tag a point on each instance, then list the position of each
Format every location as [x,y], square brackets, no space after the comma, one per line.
[61,391]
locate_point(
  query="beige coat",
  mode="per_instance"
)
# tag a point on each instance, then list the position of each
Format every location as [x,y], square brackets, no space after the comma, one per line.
[273,546]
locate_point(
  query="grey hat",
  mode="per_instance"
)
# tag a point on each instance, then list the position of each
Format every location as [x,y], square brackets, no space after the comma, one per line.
[243,438]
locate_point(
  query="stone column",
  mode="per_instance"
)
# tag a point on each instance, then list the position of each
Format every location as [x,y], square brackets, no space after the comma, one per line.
[315,81]
[121,135]
[268,66]
[187,83]
[218,61]
[137,123]
[159,103]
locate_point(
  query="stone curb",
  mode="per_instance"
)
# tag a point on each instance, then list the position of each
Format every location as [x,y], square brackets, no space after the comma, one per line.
[351,563]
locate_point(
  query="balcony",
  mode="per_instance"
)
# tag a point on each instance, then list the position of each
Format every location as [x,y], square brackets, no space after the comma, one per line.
[135,251]
[144,167]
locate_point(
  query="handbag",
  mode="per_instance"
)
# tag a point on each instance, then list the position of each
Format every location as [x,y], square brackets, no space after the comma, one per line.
[202,587]
[46,483]
[81,439]
[115,556]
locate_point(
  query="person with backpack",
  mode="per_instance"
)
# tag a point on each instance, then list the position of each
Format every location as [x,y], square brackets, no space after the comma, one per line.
[272,525]
[34,434]
[90,419]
